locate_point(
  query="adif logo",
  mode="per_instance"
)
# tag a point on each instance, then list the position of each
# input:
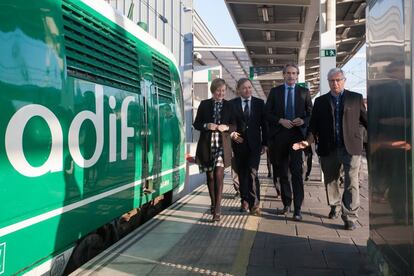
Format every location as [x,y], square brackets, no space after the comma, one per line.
[54,163]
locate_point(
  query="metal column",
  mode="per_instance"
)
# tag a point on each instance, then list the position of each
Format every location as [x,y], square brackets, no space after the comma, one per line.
[327,38]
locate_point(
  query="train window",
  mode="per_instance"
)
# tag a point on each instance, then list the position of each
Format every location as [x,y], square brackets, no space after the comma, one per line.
[98,52]
[162,76]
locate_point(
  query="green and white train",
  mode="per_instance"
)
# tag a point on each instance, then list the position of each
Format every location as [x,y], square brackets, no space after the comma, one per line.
[91,127]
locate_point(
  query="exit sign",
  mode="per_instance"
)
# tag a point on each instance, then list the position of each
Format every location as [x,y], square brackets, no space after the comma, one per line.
[328,53]
[213,74]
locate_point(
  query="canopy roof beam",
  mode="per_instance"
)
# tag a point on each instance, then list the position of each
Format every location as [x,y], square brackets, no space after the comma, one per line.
[286,27]
[272,2]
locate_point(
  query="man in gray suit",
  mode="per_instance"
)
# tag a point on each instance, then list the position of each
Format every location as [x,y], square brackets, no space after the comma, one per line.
[335,126]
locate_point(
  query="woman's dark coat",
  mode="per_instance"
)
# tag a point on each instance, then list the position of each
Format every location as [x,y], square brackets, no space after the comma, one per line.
[205,116]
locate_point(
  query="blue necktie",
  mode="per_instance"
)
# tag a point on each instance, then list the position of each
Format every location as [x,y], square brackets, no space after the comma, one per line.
[290,114]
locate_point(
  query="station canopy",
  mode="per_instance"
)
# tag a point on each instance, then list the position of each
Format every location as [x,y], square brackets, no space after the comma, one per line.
[234,61]
[276,32]
[235,64]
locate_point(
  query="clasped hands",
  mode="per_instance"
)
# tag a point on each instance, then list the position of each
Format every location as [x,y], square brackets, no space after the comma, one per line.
[300,145]
[289,124]
[215,127]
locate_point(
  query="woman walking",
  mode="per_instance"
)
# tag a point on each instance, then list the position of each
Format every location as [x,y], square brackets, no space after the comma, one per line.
[215,122]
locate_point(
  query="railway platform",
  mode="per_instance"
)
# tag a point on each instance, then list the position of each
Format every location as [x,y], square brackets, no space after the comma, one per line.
[182,240]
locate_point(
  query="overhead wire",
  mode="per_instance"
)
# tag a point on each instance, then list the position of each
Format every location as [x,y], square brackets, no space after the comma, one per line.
[159,15]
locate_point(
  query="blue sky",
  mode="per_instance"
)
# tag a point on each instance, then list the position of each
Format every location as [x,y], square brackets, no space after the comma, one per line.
[217,18]
[355,71]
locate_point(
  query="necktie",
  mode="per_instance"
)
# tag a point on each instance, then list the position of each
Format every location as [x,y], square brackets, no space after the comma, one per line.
[246,112]
[289,105]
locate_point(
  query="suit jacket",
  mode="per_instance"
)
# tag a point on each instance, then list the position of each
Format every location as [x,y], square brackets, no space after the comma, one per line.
[253,131]
[275,109]
[322,123]
[205,116]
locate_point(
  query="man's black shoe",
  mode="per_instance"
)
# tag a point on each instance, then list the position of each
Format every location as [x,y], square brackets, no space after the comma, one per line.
[244,208]
[333,214]
[297,216]
[350,225]
[285,210]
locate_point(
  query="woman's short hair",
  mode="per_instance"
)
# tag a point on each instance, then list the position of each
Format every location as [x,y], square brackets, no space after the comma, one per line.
[216,83]
[241,81]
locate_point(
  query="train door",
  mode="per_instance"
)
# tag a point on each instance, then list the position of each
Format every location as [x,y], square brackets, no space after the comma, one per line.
[151,160]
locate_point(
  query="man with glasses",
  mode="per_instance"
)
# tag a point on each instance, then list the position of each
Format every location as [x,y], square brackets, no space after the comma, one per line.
[335,127]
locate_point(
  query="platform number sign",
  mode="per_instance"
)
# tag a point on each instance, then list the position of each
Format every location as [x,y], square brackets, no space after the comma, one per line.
[2,256]
[328,53]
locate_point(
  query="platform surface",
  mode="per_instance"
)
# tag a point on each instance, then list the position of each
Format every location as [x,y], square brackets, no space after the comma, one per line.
[182,240]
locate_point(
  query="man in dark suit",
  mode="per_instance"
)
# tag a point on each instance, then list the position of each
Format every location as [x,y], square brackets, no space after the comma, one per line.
[288,109]
[335,126]
[249,142]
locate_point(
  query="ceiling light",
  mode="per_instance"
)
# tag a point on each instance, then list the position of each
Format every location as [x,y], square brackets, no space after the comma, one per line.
[345,32]
[268,35]
[265,14]
[359,10]
[270,50]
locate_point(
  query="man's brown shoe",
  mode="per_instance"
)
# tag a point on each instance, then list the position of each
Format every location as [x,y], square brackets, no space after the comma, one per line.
[255,211]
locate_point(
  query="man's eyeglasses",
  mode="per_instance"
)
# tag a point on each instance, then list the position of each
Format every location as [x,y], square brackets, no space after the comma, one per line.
[336,80]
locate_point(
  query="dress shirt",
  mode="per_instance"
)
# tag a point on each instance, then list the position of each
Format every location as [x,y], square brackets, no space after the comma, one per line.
[249,102]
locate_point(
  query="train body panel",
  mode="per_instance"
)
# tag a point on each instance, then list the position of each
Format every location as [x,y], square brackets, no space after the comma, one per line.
[91,125]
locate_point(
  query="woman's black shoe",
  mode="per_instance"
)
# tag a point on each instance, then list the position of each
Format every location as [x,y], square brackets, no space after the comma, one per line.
[216,217]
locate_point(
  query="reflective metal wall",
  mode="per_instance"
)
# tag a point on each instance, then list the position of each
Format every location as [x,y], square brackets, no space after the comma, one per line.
[390,131]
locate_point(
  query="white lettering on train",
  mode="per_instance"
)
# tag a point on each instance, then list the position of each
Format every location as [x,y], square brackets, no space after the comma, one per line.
[14,141]
[54,163]
[74,129]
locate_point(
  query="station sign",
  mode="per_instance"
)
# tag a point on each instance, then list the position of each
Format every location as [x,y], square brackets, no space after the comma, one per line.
[303,84]
[258,71]
[328,53]
[213,74]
